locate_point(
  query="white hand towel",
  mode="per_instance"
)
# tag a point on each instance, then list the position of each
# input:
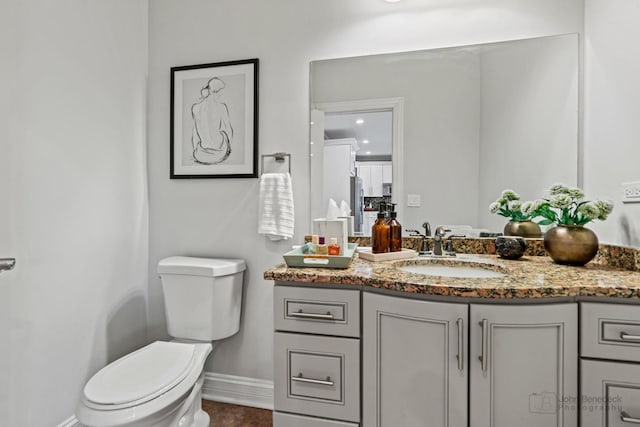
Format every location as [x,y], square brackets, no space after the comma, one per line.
[276,215]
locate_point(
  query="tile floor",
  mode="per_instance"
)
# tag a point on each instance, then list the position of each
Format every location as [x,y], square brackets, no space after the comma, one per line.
[227,415]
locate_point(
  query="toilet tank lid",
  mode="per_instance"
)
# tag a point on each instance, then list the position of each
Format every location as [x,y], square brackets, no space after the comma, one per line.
[211,267]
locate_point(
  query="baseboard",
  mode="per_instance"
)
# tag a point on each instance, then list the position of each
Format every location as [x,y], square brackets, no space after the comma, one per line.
[238,390]
[70,422]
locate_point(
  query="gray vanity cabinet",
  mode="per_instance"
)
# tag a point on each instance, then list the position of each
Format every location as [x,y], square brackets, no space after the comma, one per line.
[414,362]
[523,363]
[610,394]
[317,357]
[610,387]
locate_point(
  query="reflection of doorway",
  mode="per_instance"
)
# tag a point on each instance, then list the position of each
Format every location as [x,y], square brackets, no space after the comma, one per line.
[363,168]
[336,120]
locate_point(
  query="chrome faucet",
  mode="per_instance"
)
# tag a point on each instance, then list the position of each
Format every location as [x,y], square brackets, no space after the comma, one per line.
[448,247]
[437,239]
[424,247]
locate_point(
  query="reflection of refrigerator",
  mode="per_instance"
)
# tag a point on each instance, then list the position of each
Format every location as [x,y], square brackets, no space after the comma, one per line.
[357,203]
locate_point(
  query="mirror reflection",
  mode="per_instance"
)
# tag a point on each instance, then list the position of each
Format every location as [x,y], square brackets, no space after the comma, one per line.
[442,132]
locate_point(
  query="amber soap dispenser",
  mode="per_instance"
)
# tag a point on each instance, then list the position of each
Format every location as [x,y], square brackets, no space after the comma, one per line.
[395,230]
[380,234]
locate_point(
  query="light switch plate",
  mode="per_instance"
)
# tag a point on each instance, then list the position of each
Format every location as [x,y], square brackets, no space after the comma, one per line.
[631,192]
[413,200]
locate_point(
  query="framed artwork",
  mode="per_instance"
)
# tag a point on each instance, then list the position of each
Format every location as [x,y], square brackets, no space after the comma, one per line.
[214,120]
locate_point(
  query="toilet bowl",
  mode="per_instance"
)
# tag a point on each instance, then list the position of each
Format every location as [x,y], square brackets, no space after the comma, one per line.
[161,384]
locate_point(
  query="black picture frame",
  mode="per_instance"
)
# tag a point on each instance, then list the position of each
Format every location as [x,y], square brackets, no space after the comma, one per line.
[214,120]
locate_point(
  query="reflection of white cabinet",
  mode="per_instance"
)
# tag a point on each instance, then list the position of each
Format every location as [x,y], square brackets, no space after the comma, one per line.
[386,173]
[364,172]
[338,167]
[368,219]
[373,174]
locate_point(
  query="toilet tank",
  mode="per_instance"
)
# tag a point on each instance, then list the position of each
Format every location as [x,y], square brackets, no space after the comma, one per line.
[202,296]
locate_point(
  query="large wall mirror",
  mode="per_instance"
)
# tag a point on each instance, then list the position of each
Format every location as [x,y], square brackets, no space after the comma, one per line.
[442,132]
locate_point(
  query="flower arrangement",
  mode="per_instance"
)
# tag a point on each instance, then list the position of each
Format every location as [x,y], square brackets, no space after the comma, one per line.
[510,206]
[566,206]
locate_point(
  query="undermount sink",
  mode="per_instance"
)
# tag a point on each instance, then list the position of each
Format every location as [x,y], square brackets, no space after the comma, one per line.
[455,268]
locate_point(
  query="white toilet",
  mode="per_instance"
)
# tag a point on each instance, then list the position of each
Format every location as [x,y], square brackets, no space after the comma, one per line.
[161,384]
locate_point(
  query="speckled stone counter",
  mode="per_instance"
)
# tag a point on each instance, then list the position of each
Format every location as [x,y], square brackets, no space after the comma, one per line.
[528,277]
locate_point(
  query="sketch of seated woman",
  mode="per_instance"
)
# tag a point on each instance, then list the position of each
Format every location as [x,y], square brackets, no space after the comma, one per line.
[212,131]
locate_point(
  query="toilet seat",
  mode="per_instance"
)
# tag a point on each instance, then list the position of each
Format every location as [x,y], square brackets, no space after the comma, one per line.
[140,376]
[156,404]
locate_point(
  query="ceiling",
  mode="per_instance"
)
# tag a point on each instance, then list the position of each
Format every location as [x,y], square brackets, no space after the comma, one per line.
[377,129]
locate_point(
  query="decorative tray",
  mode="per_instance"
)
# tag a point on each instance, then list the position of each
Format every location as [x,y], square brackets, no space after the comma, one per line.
[365,253]
[300,257]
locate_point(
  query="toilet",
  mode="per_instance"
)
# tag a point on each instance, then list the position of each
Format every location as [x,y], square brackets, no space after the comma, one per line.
[160,384]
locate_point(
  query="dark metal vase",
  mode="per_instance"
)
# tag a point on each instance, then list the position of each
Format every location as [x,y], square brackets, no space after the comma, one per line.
[571,244]
[527,229]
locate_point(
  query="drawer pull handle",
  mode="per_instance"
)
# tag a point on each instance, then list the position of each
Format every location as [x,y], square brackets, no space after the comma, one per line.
[629,337]
[304,315]
[484,356]
[302,379]
[625,418]
[460,355]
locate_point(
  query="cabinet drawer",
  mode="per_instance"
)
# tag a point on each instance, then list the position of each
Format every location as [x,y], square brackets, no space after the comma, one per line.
[317,311]
[317,375]
[610,394]
[610,331]
[290,420]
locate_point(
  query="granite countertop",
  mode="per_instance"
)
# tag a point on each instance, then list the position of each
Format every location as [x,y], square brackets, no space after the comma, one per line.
[528,277]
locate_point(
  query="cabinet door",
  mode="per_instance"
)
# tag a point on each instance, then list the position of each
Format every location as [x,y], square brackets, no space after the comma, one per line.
[336,173]
[412,373]
[364,172]
[376,180]
[387,172]
[610,395]
[523,364]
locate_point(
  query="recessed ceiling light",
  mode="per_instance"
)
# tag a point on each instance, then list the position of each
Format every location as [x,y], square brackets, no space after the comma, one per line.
[365,141]
[359,121]
[368,152]
[392,1]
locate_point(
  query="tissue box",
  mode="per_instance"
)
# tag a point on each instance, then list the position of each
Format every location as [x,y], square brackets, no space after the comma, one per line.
[350,220]
[329,228]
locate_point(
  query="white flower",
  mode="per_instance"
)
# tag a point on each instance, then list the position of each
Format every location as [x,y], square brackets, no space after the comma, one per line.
[494,207]
[576,193]
[561,201]
[558,189]
[605,207]
[510,195]
[514,205]
[538,203]
[528,208]
[589,210]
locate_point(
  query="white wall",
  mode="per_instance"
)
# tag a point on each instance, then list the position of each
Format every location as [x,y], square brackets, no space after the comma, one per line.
[441,95]
[76,140]
[219,217]
[612,108]
[529,136]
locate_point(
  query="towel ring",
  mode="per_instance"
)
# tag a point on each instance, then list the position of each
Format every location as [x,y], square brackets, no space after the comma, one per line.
[279,157]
